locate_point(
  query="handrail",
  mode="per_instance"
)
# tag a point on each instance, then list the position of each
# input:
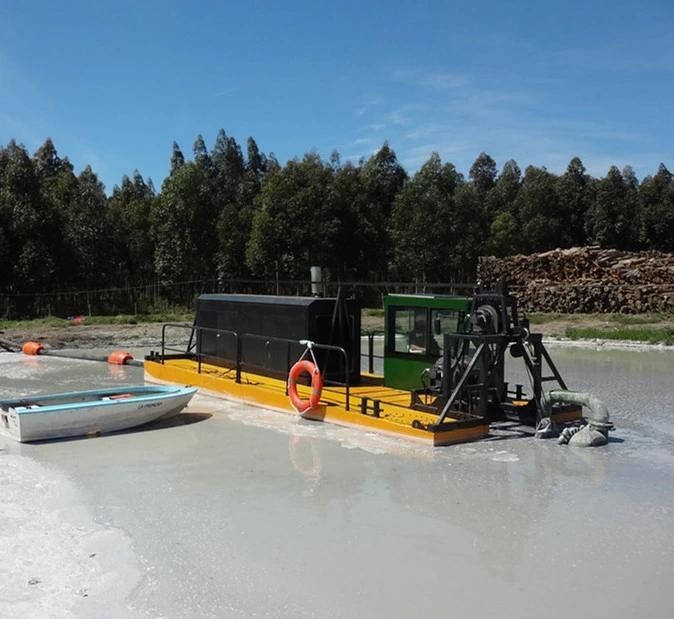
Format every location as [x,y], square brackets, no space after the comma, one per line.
[289,342]
[239,339]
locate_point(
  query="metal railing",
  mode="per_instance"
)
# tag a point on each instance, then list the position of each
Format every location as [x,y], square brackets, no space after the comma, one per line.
[240,363]
[371,334]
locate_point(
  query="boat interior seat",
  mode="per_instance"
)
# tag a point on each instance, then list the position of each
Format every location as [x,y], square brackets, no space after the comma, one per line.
[18,404]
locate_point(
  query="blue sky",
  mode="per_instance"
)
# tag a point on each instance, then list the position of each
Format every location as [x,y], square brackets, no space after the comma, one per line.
[115,83]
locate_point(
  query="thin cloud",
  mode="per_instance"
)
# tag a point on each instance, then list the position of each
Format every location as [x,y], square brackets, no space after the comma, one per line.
[619,57]
[462,117]
[444,81]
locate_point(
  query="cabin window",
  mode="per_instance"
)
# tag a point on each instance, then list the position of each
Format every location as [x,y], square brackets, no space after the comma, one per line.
[442,321]
[410,330]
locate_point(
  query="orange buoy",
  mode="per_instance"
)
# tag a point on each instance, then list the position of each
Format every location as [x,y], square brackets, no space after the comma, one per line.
[300,405]
[119,357]
[32,348]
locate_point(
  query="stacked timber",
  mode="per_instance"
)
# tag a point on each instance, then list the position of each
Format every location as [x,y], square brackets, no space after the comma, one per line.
[587,280]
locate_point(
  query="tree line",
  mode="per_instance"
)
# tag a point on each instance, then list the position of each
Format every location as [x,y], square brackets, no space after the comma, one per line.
[228,215]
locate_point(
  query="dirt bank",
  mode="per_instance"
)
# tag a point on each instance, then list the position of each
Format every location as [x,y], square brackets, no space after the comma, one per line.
[88,336]
[149,334]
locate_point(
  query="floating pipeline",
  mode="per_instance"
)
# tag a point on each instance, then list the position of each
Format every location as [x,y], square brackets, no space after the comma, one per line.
[118,357]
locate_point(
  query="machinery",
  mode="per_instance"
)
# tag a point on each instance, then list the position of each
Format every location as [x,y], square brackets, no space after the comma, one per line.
[444,380]
[470,376]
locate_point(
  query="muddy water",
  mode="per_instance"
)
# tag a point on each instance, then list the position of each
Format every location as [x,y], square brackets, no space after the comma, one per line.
[240,512]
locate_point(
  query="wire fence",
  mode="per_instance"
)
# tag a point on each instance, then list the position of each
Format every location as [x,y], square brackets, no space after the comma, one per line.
[158,297]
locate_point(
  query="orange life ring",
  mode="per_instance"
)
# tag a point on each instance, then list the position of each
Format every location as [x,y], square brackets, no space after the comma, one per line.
[301,406]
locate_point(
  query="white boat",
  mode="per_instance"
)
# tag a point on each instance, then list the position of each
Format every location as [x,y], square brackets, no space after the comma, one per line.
[61,415]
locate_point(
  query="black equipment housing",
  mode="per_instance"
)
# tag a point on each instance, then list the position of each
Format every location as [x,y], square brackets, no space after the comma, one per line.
[330,321]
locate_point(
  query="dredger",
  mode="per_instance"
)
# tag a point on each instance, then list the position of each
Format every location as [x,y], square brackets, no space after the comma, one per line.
[444,365]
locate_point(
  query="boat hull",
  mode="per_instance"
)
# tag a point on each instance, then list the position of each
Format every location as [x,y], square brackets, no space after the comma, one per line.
[90,412]
[395,418]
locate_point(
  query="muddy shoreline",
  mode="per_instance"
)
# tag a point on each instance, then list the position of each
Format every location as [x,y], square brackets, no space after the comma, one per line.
[148,335]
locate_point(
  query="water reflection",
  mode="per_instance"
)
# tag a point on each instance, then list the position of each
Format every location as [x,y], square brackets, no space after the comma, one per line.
[305,458]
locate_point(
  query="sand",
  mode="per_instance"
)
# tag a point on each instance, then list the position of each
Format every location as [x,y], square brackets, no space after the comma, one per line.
[56,560]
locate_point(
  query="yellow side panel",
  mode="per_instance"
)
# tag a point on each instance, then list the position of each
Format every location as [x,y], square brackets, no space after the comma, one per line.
[395,416]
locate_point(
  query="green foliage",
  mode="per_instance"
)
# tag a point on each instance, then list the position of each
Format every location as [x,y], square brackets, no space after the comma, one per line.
[613,219]
[656,203]
[423,220]
[226,216]
[576,194]
[610,320]
[483,174]
[662,335]
[501,198]
[538,206]
[504,237]
[26,224]
[177,159]
[291,221]
[182,223]
[383,177]
[129,223]
[234,185]
[119,319]
[373,311]
[351,228]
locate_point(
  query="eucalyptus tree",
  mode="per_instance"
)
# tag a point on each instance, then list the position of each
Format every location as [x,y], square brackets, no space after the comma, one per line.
[483,174]
[129,226]
[501,217]
[177,158]
[542,223]
[25,223]
[656,200]
[349,237]
[383,177]
[423,222]
[575,191]
[86,234]
[613,219]
[290,223]
[231,206]
[182,227]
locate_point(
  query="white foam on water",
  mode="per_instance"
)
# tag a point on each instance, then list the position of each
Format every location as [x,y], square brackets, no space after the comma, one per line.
[486,452]
[348,438]
[504,456]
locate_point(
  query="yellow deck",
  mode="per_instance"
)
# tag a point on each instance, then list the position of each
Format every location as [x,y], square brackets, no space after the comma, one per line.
[395,416]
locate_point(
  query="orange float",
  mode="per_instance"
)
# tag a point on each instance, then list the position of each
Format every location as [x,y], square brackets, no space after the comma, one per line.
[119,357]
[32,348]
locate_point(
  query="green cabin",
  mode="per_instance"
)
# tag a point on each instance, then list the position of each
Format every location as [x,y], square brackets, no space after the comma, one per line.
[415,328]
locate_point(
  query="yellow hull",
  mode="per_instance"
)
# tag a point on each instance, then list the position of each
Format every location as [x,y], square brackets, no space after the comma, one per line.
[394,418]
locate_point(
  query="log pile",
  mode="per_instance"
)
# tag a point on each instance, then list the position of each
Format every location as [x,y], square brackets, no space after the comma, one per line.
[586,280]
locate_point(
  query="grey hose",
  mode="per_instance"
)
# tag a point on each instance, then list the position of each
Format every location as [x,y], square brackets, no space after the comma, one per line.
[599,424]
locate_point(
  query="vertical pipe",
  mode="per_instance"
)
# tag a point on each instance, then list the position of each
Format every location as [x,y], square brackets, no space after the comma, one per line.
[287,365]
[239,355]
[316,281]
[199,340]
